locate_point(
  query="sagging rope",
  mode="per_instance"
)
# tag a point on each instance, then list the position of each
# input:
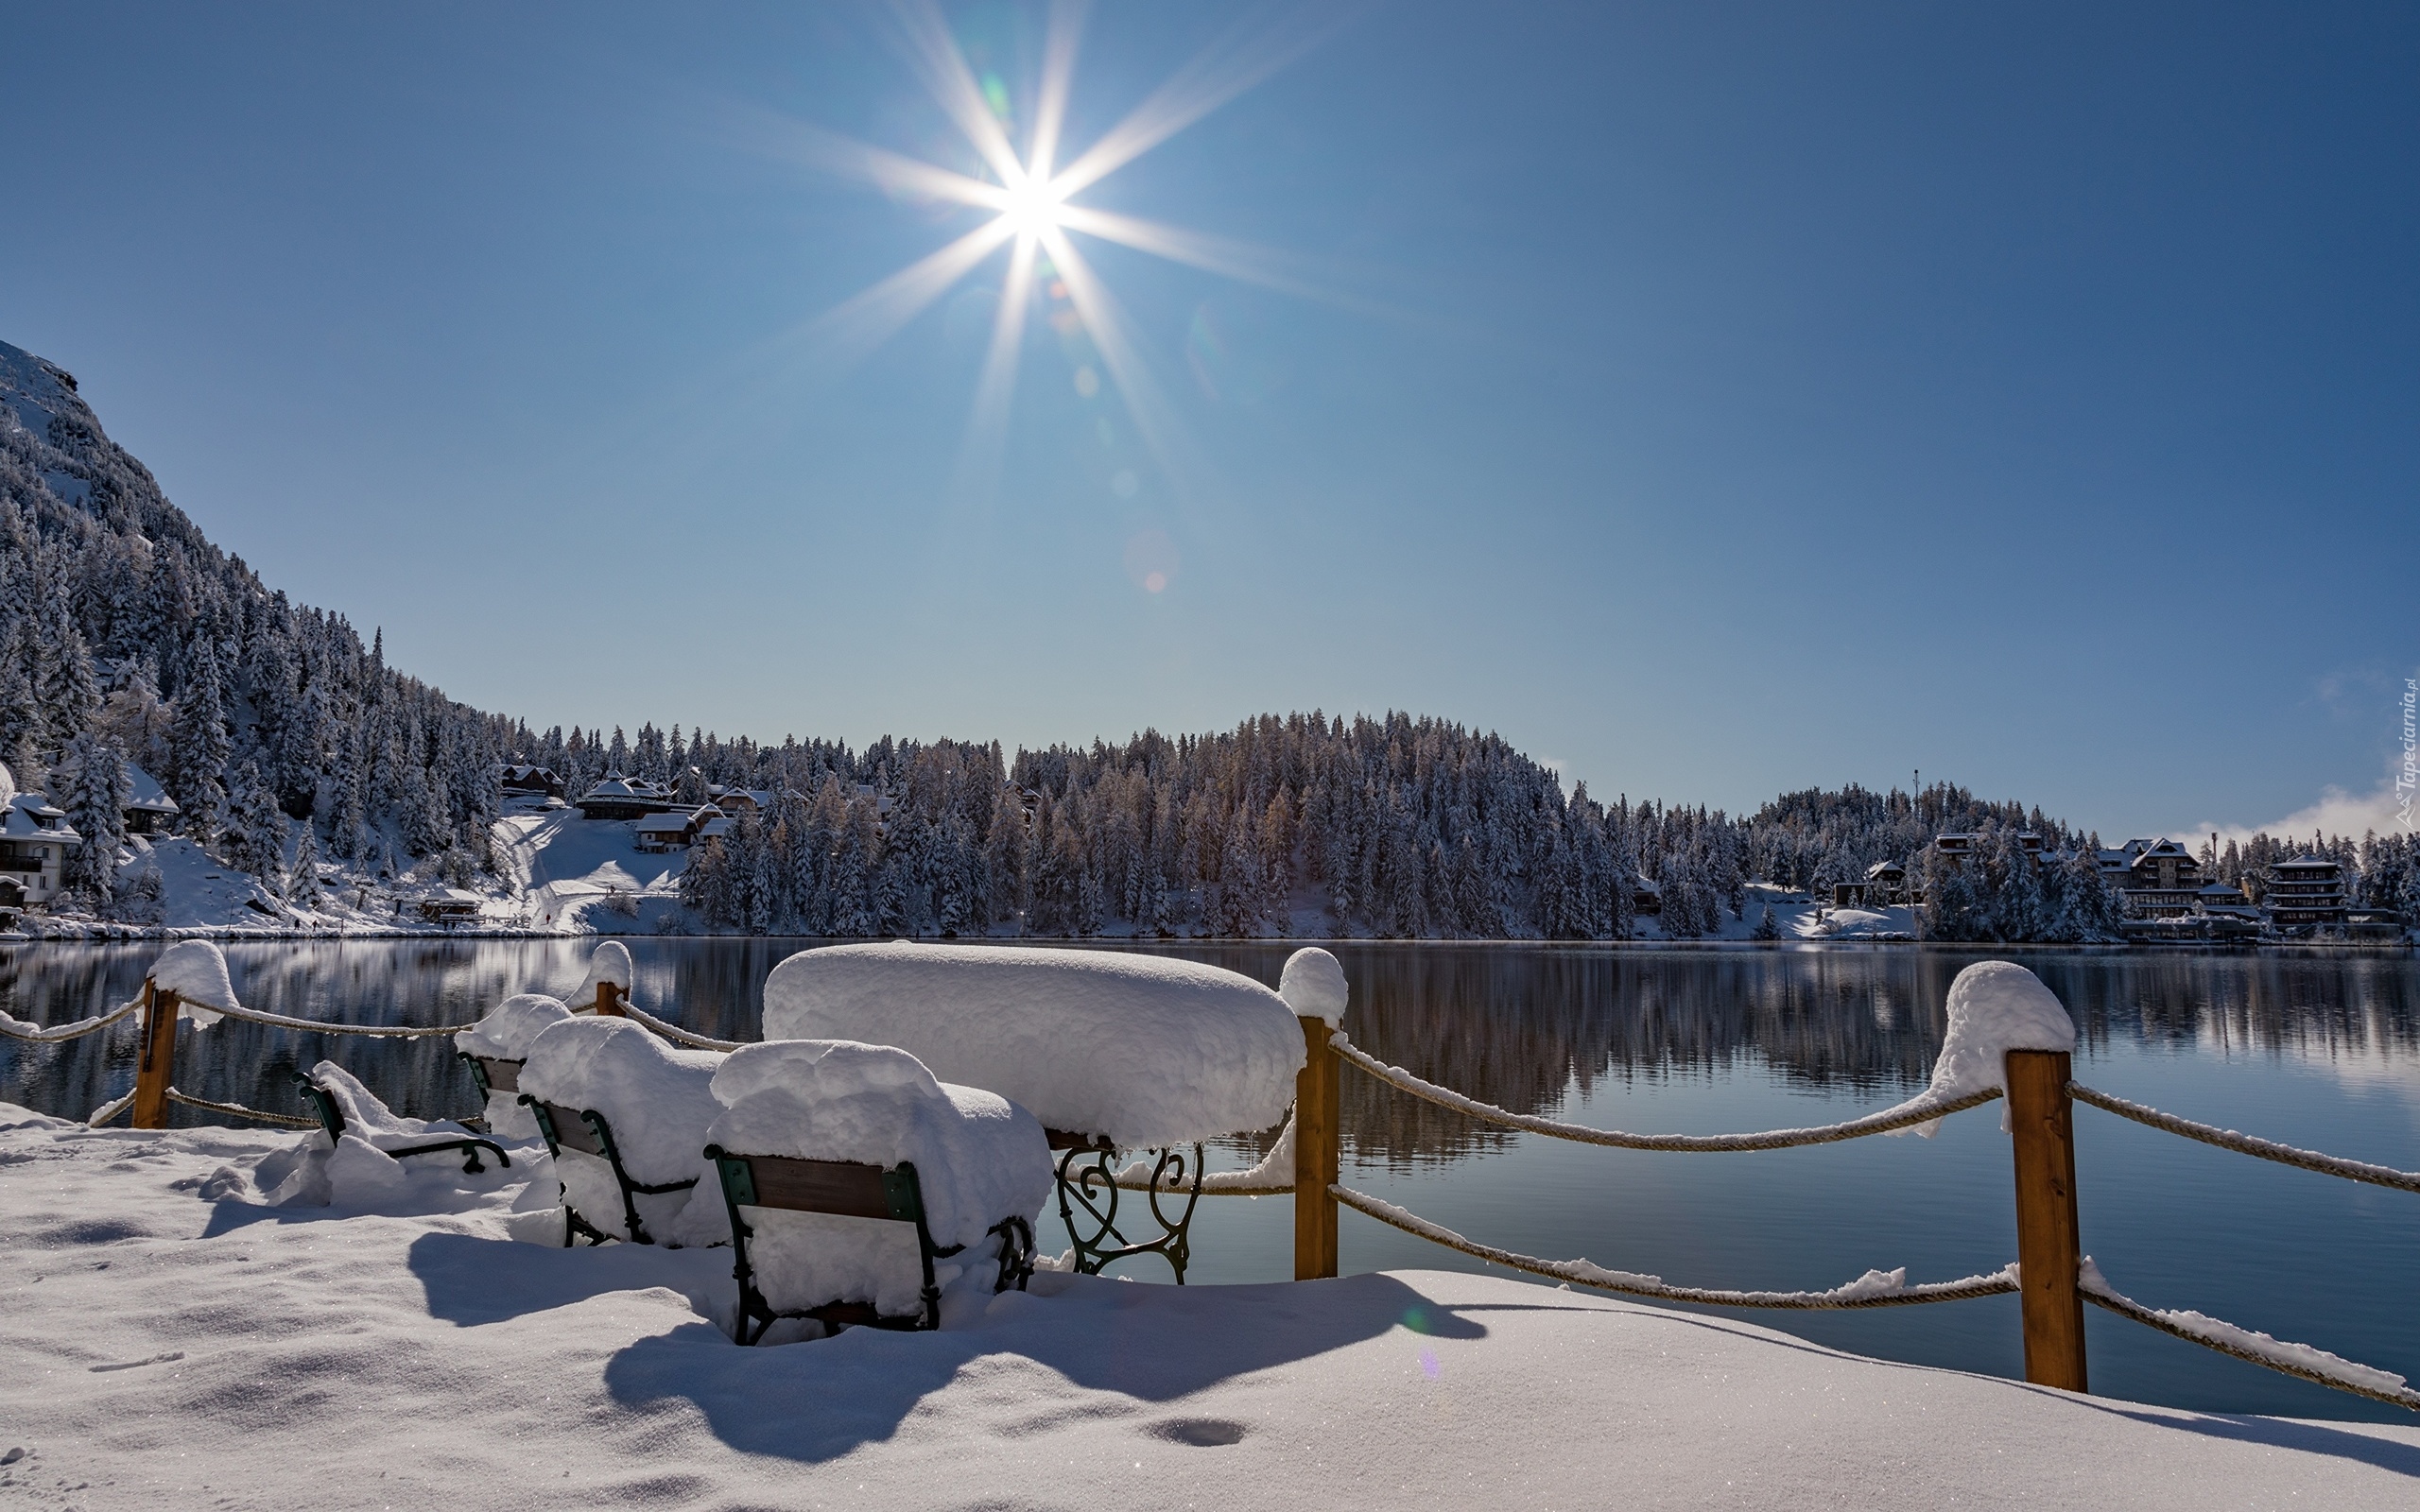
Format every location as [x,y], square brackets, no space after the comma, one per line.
[2227,1139]
[1905,1116]
[673,1031]
[2303,1361]
[239,1110]
[317,1026]
[1873,1289]
[16,1028]
[109,1110]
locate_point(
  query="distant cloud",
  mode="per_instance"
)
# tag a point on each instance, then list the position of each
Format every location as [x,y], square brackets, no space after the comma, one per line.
[2336,812]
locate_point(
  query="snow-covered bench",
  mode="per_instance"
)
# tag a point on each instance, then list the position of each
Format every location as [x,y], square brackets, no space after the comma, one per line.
[625,1116]
[1110,1050]
[494,1050]
[831,1154]
[331,1091]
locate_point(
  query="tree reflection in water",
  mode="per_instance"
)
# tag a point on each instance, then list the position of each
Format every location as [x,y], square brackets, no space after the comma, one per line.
[1524,1028]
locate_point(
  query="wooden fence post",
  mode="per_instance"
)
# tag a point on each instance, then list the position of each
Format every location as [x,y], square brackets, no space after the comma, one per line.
[609,1001]
[157,1070]
[2048,1247]
[1317,1137]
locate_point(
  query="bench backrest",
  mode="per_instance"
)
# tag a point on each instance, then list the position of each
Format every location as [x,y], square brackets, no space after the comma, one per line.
[569,1127]
[843,1188]
[331,1116]
[496,1075]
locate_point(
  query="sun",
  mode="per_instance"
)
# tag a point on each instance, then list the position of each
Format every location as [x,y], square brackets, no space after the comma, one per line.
[1032,200]
[1031,208]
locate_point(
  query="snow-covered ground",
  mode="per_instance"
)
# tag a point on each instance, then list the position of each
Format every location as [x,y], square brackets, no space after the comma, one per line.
[171,1342]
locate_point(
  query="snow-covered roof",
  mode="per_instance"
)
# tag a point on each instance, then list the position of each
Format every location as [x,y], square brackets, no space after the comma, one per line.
[2307,863]
[145,792]
[674,822]
[613,787]
[455,895]
[713,829]
[32,817]
[1881,868]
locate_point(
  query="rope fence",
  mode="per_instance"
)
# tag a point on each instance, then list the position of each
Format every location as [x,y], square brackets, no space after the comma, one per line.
[239,1110]
[673,1031]
[2227,1139]
[2045,1221]
[1907,1115]
[16,1028]
[1873,1289]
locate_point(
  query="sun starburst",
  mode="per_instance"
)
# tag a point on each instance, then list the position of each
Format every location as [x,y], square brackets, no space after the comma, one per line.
[1035,218]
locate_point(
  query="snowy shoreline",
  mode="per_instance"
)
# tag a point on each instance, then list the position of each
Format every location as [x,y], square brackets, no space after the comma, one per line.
[177,1341]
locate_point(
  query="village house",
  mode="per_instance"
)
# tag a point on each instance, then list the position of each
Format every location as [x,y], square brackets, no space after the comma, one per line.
[2306,893]
[532,781]
[616,796]
[451,907]
[35,839]
[1885,884]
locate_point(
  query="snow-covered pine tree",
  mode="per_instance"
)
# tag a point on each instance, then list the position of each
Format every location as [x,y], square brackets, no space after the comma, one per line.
[95,805]
[198,744]
[303,879]
[255,835]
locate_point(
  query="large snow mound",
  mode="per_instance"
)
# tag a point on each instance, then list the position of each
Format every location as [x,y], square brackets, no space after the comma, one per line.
[658,1102]
[505,1033]
[1147,1049]
[978,1159]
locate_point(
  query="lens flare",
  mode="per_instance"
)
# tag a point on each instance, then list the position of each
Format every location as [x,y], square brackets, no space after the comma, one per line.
[1028,195]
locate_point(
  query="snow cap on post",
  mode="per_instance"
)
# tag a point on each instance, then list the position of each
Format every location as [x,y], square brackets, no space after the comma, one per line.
[1994,1006]
[609,962]
[196,972]
[1313,986]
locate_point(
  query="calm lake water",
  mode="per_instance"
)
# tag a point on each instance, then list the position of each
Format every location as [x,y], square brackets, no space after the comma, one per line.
[2317,1049]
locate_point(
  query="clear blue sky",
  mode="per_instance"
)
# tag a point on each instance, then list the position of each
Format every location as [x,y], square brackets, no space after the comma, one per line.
[1755,397]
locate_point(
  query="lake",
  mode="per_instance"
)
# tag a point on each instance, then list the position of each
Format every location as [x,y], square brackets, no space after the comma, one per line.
[2319,1049]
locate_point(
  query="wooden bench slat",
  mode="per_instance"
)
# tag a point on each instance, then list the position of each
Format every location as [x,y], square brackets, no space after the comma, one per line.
[503,1075]
[842,1187]
[572,1131]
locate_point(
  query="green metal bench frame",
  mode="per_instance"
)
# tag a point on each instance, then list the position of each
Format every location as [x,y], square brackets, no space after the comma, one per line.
[323,1103]
[849,1190]
[492,1074]
[1088,1192]
[586,1131]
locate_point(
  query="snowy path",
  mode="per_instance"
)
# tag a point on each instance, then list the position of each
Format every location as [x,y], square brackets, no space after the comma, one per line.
[170,1344]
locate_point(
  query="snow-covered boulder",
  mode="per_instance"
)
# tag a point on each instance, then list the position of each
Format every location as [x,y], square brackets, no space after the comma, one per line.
[979,1158]
[505,1033]
[196,972]
[1147,1049]
[658,1102]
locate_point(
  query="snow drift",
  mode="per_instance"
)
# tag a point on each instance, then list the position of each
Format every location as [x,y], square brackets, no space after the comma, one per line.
[1147,1049]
